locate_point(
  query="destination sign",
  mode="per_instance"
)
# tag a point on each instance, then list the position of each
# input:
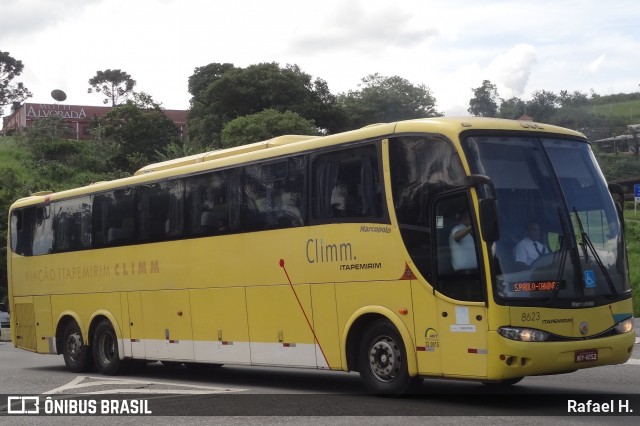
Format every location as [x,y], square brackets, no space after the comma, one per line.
[528,286]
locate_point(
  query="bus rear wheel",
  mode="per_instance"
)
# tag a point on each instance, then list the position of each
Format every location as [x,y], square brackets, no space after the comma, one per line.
[77,355]
[383,360]
[105,349]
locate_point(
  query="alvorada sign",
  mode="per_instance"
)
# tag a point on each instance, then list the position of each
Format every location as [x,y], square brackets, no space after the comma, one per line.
[47,110]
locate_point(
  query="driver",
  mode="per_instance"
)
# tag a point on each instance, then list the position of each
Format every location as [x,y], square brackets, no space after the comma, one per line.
[530,247]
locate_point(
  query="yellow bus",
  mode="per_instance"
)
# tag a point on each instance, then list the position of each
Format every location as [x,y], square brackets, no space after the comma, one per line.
[467,248]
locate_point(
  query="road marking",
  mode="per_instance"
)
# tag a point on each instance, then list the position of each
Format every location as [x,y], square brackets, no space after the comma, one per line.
[633,361]
[134,386]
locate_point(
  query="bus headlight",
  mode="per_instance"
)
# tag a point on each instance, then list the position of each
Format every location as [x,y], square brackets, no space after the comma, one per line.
[624,326]
[523,334]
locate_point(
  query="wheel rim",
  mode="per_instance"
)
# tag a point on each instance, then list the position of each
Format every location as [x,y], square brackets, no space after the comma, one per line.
[74,346]
[385,358]
[106,348]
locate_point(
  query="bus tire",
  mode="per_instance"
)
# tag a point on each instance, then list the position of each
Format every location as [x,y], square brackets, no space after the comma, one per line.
[77,355]
[105,349]
[383,360]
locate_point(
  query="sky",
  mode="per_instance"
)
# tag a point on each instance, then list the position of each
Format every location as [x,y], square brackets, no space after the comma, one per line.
[450,46]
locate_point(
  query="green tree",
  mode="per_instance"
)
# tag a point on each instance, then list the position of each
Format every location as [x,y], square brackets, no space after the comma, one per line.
[48,129]
[512,108]
[144,100]
[175,150]
[484,102]
[139,133]
[572,111]
[576,99]
[386,99]
[202,125]
[48,138]
[222,93]
[542,106]
[203,76]
[10,68]
[116,85]
[265,125]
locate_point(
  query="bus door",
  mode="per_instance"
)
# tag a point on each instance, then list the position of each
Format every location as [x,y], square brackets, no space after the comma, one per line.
[460,298]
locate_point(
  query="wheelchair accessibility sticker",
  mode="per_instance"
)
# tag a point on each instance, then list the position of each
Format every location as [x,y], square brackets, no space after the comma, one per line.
[589,279]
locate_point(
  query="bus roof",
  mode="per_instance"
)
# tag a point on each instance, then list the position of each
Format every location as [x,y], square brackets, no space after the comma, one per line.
[399,127]
[290,144]
[221,153]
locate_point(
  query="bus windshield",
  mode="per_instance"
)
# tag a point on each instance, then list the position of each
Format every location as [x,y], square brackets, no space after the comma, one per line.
[560,235]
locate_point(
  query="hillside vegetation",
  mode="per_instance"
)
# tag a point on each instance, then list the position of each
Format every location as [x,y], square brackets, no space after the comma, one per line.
[627,110]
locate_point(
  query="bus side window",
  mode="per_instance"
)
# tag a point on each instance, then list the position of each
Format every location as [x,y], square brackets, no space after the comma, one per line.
[42,230]
[32,231]
[160,211]
[72,224]
[98,224]
[208,207]
[21,231]
[15,227]
[287,181]
[346,184]
[116,218]
[275,194]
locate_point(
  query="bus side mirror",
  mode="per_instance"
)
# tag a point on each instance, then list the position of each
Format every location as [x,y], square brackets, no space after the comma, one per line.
[488,209]
[617,192]
[489,220]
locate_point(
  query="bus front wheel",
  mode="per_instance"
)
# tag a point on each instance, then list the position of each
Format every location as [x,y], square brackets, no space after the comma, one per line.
[383,360]
[105,349]
[76,354]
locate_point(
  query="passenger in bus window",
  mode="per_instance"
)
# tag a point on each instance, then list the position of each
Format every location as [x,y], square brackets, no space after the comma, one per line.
[222,226]
[463,248]
[530,247]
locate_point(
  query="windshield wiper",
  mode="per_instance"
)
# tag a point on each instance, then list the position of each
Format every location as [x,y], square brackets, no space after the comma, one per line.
[565,246]
[586,242]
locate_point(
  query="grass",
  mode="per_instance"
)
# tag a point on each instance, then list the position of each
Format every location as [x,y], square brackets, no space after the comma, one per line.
[632,227]
[12,155]
[630,213]
[628,110]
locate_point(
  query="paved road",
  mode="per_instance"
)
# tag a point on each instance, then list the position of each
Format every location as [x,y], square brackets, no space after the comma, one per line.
[244,395]
[250,395]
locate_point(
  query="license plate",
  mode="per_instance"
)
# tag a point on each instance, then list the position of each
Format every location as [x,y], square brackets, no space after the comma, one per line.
[587,355]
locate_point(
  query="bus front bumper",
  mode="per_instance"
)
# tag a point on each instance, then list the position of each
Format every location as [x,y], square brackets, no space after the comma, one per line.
[510,359]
